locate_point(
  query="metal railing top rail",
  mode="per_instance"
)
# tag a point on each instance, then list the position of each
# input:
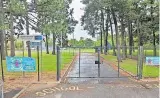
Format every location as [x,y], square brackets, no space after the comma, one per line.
[82,47]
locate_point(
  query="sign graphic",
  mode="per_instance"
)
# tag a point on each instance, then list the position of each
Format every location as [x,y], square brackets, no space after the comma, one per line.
[34,44]
[31,37]
[152,60]
[20,64]
[38,37]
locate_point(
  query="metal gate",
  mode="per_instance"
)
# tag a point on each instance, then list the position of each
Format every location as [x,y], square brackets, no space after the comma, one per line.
[90,64]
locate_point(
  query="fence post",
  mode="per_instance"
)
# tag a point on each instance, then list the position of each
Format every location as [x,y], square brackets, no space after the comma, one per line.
[38,62]
[1,62]
[140,62]
[118,58]
[58,63]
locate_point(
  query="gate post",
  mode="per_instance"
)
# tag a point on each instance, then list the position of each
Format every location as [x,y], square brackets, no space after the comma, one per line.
[140,65]
[58,63]
[99,51]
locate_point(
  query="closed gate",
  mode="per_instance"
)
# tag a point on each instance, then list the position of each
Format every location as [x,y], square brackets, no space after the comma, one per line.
[89,64]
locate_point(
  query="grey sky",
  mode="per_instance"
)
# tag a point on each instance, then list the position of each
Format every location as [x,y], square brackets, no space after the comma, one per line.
[79,32]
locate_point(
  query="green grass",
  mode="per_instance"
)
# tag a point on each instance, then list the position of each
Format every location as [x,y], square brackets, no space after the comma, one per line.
[76,50]
[48,61]
[135,53]
[131,66]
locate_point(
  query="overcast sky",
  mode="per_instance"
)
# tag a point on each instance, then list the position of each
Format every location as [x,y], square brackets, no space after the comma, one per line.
[78,12]
[79,32]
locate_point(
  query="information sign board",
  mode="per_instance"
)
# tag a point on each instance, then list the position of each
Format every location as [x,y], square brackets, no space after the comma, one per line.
[152,60]
[21,64]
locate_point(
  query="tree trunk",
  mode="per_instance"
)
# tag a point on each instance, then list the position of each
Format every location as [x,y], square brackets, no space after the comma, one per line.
[113,46]
[101,40]
[106,39]
[12,36]
[2,32]
[153,32]
[102,30]
[154,43]
[123,37]
[140,39]
[117,35]
[6,51]
[125,44]
[130,36]
[54,44]
[2,44]
[47,49]
[27,30]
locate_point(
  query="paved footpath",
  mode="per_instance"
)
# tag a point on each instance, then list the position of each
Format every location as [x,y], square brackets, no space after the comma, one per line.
[110,87]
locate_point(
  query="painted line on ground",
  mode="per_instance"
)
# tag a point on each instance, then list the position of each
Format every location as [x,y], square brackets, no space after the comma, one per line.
[23,90]
[52,90]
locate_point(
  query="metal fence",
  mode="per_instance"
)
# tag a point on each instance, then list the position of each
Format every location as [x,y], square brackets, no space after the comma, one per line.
[133,61]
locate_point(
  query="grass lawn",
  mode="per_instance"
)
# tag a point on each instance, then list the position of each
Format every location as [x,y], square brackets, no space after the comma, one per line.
[135,53]
[131,66]
[48,61]
[71,50]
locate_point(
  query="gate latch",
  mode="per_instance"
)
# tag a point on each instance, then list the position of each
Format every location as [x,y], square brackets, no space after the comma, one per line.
[98,62]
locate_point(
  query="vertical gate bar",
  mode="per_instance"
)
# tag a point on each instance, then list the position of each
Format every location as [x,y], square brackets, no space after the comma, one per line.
[99,62]
[38,61]
[79,62]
